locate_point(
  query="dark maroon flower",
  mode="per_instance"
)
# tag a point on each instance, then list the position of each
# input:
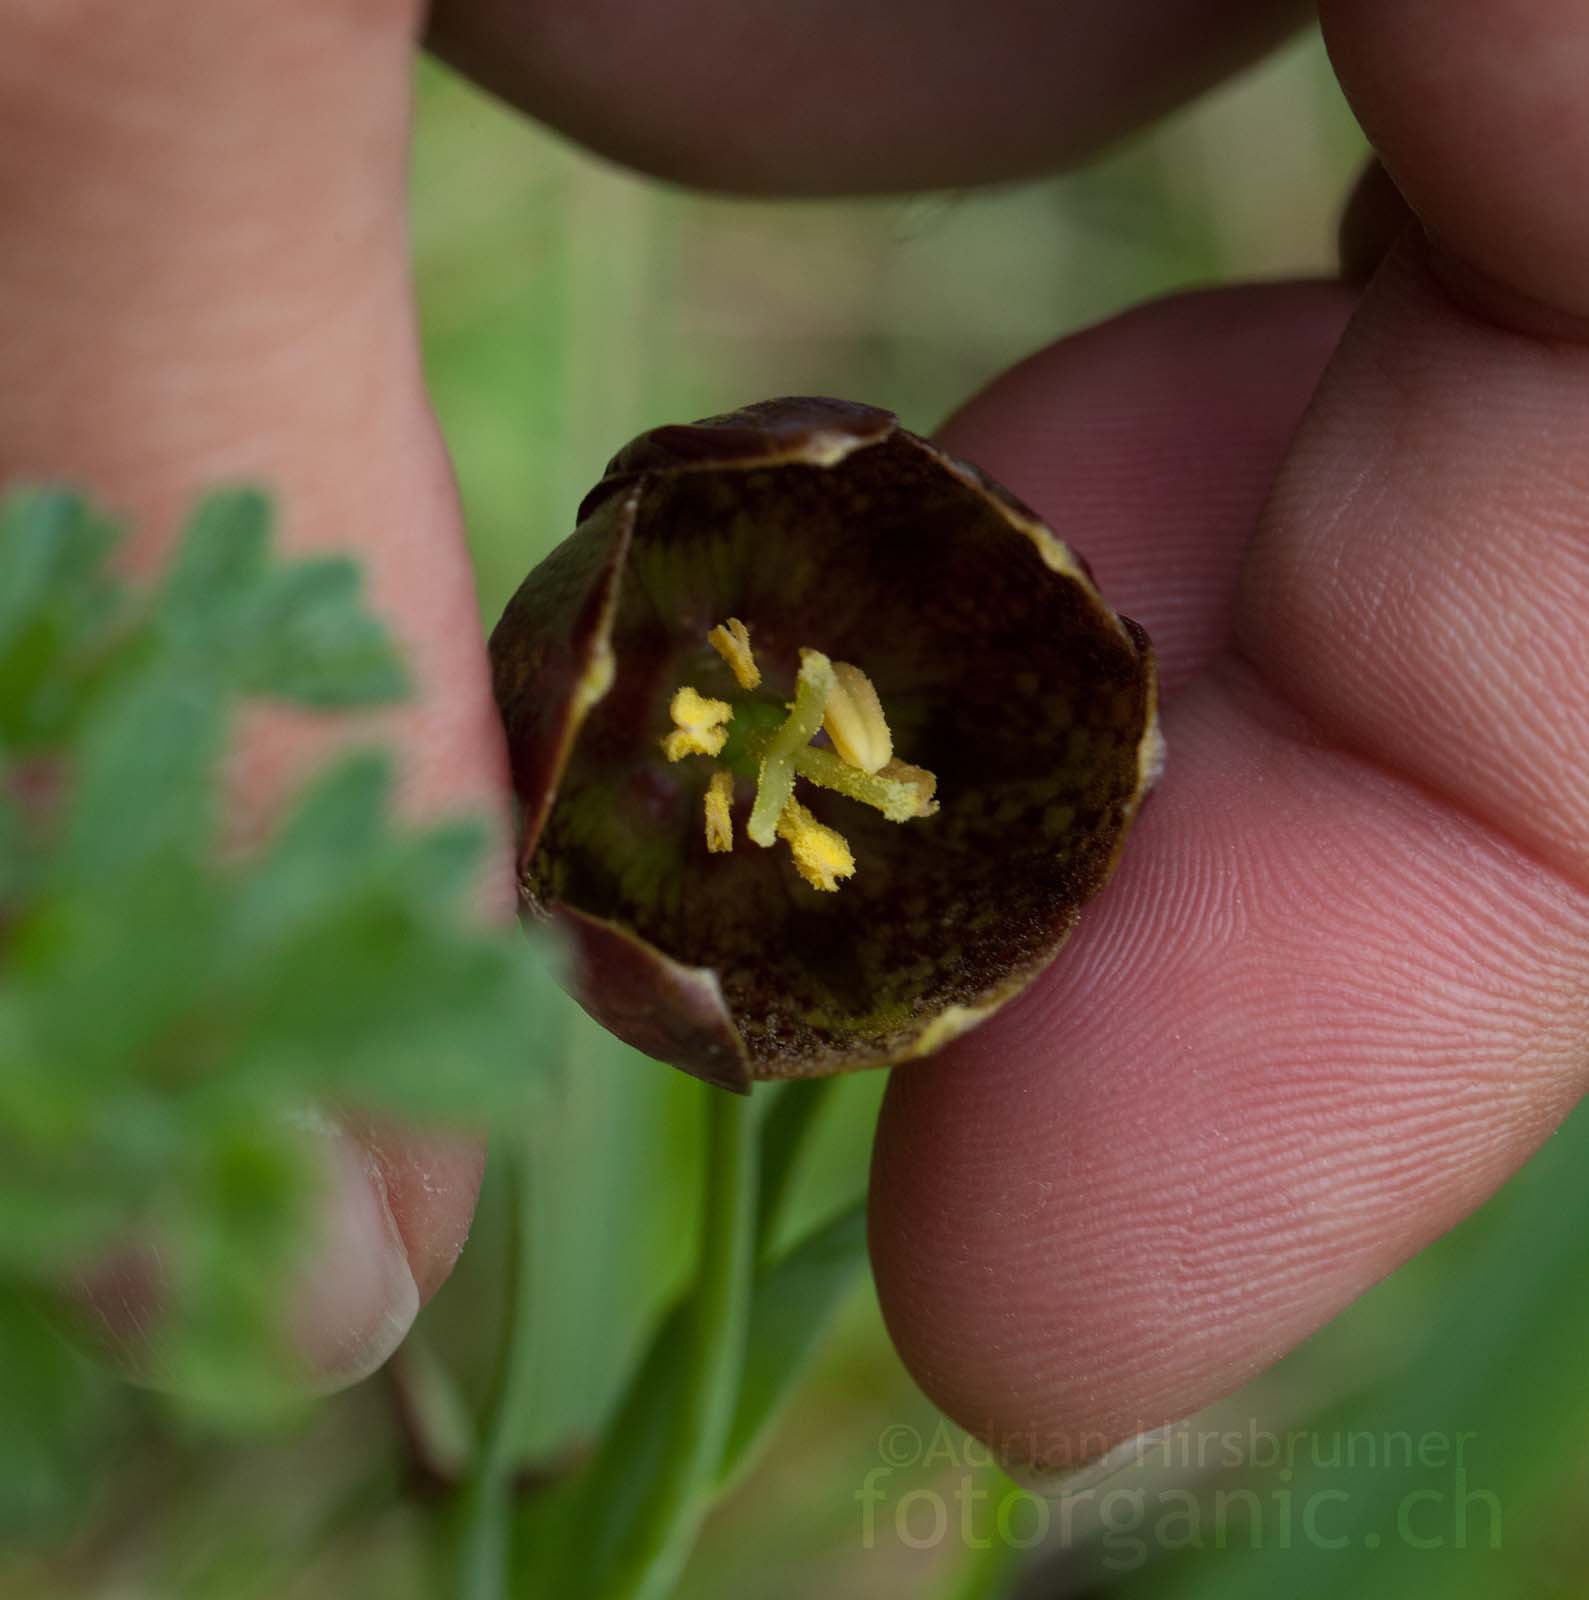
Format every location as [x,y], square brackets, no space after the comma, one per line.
[821,741]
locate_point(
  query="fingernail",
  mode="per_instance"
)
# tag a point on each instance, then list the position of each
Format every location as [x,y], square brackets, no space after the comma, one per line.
[357,1297]
[1056,1483]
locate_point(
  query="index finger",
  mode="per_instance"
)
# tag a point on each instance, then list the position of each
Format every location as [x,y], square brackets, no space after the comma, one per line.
[830,97]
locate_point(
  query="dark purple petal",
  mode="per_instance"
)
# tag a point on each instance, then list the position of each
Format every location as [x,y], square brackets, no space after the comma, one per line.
[672,1012]
[1002,671]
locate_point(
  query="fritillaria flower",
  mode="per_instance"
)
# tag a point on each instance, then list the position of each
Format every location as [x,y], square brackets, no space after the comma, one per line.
[820,739]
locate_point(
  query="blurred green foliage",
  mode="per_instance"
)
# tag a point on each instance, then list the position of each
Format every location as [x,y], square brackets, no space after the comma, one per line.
[169,1009]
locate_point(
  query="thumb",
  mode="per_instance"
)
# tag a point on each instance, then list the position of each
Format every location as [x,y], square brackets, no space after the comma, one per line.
[203,279]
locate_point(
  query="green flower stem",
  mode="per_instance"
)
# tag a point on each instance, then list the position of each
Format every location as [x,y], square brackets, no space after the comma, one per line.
[481,1506]
[664,1529]
[431,1409]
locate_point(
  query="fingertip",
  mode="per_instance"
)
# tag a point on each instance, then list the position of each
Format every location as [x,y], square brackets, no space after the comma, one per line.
[1312,1023]
[391,1212]
[431,1180]
[1476,107]
[1374,218]
[356,1296]
[825,97]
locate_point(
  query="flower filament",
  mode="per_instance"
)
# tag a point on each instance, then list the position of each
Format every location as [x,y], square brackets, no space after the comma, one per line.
[831,697]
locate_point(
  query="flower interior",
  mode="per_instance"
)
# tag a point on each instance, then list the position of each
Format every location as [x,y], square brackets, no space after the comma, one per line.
[770,746]
[862,739]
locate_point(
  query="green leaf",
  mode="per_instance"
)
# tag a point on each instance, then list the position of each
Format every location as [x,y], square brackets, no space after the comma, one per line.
[216,575]
[380,1001]
[58,606]
[329,843]
[795,1302]
[576,1547]
[785,1131]
[144,785]
[293,632]
[59,1416]
[166,1013]
[990,1570]
[307,639]
[15,857]
[52,554]
[231,1227]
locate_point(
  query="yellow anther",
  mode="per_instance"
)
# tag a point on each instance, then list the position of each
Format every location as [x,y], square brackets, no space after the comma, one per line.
[901,792]
[855,722]
[719,823]
[829,695]
[699,725]
[821,855]
[731,640]
[921,783]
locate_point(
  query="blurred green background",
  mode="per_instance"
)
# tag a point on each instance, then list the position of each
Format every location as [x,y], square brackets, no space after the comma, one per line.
[567,305]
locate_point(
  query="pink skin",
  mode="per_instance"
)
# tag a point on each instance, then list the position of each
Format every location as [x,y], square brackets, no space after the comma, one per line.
[1336,993]
[845,98]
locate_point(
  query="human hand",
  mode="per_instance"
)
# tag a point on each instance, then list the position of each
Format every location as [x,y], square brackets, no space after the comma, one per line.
[1336,993]
[1330,1000]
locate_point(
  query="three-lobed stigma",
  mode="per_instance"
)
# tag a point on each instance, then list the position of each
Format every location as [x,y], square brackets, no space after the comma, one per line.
[699,725]
[831,697]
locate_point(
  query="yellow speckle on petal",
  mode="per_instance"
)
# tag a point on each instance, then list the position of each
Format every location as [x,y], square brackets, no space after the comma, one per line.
[699,725]
[821,854]
[731,640]
[855,722]
[719,822]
